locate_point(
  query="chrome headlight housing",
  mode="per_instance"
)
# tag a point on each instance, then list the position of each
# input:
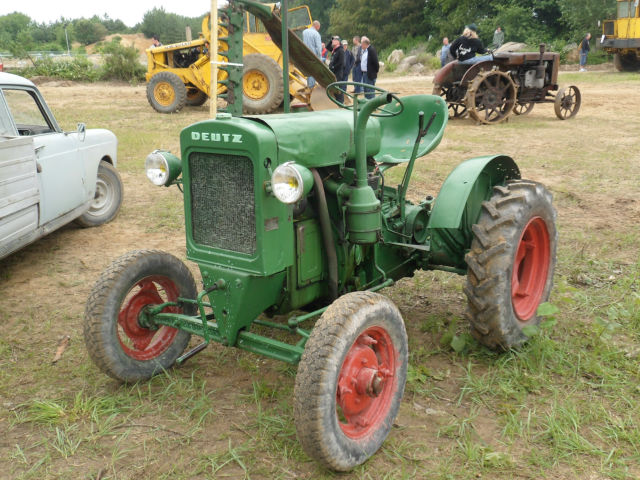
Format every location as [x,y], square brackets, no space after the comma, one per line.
[290,182]
[162,167]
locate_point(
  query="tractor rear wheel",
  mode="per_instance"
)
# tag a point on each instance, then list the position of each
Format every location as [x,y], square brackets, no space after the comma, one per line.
[491,97]
[350,380]
[166,92]
[511,263]
[454,96]
[195,97]
[628,62]
[262,86]
[118,339]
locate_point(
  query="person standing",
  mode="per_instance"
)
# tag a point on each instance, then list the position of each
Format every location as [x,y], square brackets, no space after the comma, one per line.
[465,47]
[584,51]
[369,65]
[498,38]
[348,61]
[337,64]
[311,38]
[356,50]
[445,53]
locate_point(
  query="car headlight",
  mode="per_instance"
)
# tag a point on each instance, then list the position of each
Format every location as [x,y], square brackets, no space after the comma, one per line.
[290,182]
[162,167]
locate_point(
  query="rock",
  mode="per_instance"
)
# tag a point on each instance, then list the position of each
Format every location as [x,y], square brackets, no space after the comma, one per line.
[395,57]
[513,47]
[417,68]
[406,63]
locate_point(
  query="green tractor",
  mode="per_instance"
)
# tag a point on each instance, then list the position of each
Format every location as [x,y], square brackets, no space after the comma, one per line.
[295,231]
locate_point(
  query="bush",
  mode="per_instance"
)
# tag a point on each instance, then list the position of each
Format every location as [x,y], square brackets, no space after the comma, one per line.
[78,69]
[121,63]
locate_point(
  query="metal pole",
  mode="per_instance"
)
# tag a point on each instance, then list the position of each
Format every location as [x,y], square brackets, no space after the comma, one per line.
[213,58]
[67,37]
[284,15]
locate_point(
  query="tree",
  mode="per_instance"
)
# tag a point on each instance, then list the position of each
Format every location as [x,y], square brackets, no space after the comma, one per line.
[86,31]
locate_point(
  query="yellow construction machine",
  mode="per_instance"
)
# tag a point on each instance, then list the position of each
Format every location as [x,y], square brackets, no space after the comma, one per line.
[621,36]
[180,74]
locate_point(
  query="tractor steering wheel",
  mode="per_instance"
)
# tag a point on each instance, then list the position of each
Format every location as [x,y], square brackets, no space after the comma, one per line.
[336,88]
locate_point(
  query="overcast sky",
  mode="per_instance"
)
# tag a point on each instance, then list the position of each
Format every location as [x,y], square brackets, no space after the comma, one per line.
[130,12]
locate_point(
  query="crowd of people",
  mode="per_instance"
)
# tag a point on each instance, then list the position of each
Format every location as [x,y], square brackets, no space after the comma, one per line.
[360,61]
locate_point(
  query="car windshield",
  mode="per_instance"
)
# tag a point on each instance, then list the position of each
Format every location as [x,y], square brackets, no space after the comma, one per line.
[26,111]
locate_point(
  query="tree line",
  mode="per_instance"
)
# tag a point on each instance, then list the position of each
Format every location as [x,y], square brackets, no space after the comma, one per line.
[386,22]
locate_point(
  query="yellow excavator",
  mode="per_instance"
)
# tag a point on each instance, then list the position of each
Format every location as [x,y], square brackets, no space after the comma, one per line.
[621,36]
[180,74]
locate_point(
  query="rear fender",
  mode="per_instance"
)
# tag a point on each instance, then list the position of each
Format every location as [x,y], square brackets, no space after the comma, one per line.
[458,205]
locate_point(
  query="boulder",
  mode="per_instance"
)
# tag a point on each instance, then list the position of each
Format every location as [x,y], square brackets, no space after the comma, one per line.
[395,57]
[417,68]
[512,47]
[406,63]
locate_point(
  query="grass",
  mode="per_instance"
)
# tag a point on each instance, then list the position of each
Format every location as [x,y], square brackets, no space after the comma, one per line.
[566,405]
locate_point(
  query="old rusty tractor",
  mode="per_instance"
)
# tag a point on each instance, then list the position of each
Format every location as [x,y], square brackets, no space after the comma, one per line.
[491,90]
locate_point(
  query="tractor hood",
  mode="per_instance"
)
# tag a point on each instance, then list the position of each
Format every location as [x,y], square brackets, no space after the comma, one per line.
[318,139]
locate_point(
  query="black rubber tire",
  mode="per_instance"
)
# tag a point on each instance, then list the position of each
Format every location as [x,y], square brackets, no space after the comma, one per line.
[107,200]
[166,92]
[195,97]
[315,402]
[490,261]
[106,300]
[628,62]
[272,72]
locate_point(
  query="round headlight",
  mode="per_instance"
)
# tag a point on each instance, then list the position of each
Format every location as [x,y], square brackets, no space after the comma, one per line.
[162,168]
[157,168]
[290,182]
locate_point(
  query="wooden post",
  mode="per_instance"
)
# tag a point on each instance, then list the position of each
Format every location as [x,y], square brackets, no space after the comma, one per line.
[188,34]
[213,59]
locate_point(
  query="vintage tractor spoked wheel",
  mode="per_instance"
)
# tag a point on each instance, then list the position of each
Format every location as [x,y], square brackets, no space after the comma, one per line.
[122,339]
[350,380]
[107,199]
[567,102]
[262,85]
[455,100]
[396,107]
[166,92]
[522,108]
[491,97]
[511,263]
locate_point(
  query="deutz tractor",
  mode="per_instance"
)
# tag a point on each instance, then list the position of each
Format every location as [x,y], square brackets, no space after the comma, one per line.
[295,229]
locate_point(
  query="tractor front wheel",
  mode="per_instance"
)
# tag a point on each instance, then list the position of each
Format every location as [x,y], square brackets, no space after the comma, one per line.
[511,263]
[120,338]
[350,380]
[166,92]
[262,84]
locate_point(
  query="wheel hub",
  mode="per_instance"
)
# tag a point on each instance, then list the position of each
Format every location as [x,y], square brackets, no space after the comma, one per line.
[530,269]
[365,383]
[164,94]
[139,337]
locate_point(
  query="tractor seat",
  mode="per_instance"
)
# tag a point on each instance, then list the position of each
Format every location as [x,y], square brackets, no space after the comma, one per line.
[399,133]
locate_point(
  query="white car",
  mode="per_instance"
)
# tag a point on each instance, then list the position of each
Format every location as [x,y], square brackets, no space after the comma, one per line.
[48,177]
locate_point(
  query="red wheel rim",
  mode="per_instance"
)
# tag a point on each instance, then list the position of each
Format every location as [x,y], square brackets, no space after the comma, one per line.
[138,342]
[530,269]
[366,383]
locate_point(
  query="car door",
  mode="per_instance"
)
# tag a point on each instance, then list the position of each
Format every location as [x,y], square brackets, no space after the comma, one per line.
[19,193]
[61,173]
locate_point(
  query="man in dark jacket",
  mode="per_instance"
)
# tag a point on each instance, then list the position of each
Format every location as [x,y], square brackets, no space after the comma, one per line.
[369,65]
[584,51]
[337,63]
[348,61]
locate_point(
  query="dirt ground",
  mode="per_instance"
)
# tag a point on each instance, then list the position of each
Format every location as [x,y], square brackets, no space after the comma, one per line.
[590,163]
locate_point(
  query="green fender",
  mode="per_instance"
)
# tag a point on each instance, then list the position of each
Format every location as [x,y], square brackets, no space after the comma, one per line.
[458,205]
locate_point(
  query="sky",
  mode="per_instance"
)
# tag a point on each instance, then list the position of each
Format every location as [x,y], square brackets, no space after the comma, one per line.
[130,12]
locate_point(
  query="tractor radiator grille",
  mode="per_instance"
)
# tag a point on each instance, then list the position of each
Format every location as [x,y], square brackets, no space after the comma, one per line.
[223,202]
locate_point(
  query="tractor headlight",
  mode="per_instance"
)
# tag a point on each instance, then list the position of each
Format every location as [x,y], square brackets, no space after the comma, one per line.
[290,182]
[162,167]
